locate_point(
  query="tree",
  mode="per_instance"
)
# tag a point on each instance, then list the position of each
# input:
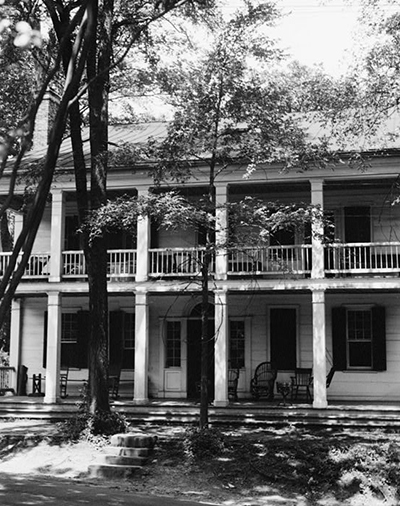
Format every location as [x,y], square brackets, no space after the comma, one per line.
[86,33]
[227,112]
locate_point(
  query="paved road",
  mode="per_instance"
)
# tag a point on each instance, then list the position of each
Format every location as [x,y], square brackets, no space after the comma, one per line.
[24,490]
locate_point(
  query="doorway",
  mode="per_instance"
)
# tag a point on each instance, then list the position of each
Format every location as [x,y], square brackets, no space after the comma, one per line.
[283,337]
[194,358]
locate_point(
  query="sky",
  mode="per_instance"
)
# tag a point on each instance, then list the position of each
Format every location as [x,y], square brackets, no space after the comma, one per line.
[318,32]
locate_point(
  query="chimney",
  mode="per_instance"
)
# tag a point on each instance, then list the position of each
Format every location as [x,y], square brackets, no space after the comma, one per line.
[44,120]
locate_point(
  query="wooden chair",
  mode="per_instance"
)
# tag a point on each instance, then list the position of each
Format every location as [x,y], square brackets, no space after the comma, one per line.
[63,382]
[302,380]
[329,377]
[233,380]
[263,382]
[114,374]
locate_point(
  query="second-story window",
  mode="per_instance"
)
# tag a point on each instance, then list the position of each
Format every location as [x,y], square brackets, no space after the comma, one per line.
[237,344]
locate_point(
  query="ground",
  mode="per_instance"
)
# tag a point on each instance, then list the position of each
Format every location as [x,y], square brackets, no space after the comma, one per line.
[247,467]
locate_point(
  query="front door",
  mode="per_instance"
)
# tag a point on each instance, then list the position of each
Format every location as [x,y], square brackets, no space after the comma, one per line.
[194,358]
[283,330]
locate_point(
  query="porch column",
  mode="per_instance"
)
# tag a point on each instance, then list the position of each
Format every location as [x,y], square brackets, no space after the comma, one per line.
[319,349]
[15,340]
[142,243]
[57,234]
[221,215]
[53,347]
[317,229]
[221,348]
[141,395]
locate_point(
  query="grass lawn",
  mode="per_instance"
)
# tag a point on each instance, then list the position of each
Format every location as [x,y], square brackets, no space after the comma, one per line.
[251,467]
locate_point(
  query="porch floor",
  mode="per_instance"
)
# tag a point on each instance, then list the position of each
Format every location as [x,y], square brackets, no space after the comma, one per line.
[245,412]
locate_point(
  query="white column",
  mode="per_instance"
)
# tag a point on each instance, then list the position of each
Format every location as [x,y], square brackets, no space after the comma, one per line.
[319,347]
[53,347]
[57,234]
[221,229]
[317,228]
[141,394]
[143,244]
[15,340]
[221,349]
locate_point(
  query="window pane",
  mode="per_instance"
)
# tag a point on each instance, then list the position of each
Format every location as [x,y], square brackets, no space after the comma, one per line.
[173,345]
[237,341]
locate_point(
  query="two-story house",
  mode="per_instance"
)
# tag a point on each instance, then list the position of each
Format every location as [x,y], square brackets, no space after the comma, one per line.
[297,302]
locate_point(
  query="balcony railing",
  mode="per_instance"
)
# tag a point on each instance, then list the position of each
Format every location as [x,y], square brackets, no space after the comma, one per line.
[362,258]
[271,260]
[179,262]
[339,258]
[120,263]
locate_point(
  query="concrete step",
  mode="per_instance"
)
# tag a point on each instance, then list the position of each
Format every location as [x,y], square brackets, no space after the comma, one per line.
[112,471]
[120,460]
[127,452]
[133,440]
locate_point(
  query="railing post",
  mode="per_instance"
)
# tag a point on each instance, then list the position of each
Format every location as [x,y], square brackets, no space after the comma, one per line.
[57,234]
[317,229]
[143,243]
[221,215]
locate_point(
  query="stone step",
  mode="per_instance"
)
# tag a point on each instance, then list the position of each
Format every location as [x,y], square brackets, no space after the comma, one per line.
[133,440]
[111,471]
[120,460]
[127,452]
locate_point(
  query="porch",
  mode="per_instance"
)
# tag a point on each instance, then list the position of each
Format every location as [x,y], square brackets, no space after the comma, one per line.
[379,258]
[253,414]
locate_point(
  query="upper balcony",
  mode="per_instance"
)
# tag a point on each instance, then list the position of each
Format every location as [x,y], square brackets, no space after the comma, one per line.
[357,259]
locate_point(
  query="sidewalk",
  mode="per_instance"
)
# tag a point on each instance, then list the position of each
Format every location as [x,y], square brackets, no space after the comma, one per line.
[27,428]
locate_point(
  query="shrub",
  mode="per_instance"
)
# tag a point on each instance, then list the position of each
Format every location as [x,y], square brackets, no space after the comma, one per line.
[203,443]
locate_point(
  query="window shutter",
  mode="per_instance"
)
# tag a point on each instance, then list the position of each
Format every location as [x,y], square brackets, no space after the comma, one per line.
[116,332]
[339,338]
[45,340]
[379,338]
[82,359]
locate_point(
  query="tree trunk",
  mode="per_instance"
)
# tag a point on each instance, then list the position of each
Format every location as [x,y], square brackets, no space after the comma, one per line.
[96,252]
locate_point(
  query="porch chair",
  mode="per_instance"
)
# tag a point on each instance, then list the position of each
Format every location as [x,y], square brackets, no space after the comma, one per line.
[302,380]
[233,379]
[263,381]
[329,376]
[114,374]
[63,382]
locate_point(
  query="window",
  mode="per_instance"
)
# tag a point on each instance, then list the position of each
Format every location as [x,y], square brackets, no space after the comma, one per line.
[69,328]
[129,331]
[74,339]
[173,344]
[358,338]
[236,344]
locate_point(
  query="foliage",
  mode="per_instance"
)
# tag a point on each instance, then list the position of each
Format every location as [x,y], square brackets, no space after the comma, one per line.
[87,426]
[202,443]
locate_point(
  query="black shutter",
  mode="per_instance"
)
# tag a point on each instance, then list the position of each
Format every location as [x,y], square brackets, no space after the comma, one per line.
[82,345]
[378,338]
[339,338]
[45,340]
[116,332]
